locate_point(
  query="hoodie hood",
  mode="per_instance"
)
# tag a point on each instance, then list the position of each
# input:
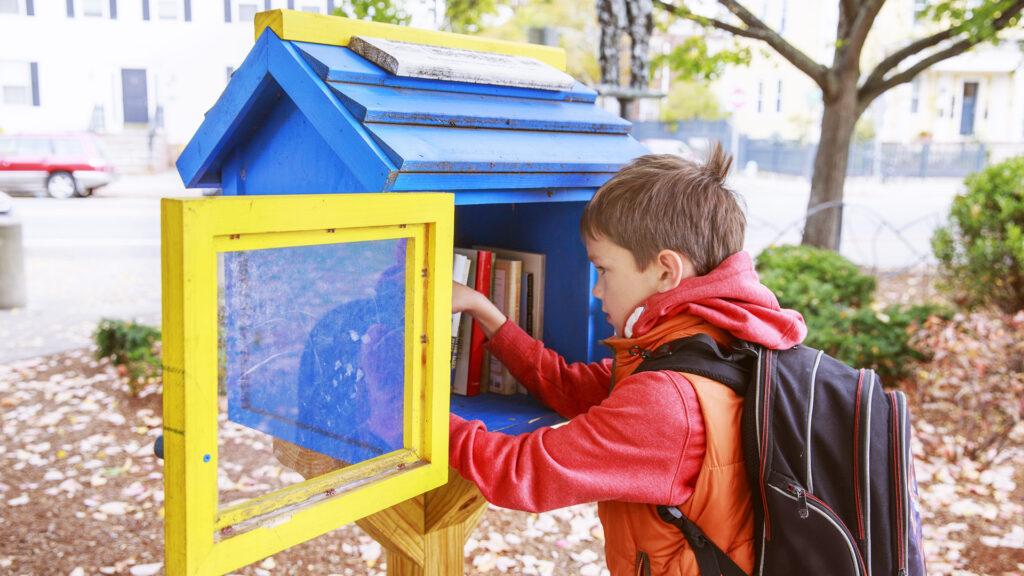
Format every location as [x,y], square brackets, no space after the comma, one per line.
[730,297]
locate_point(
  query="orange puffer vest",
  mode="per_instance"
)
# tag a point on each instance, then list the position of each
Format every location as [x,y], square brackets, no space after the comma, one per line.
[637,541]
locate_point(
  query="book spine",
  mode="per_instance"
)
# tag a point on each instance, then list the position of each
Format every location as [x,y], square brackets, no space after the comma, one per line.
[514,283]
[476,347]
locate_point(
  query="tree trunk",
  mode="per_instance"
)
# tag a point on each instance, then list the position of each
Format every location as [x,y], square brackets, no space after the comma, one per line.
[824,209]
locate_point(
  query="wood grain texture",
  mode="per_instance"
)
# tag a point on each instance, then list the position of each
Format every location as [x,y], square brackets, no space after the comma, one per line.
[338,31]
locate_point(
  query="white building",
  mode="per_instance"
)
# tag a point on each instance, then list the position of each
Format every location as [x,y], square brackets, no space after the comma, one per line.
[119,66]
[978,96]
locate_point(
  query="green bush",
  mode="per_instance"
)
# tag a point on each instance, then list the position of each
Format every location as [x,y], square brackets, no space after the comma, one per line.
[133,349]
[811,279]
[835,298]
[981,250]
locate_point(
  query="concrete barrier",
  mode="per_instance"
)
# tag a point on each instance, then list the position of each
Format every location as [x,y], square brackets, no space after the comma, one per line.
[12,264]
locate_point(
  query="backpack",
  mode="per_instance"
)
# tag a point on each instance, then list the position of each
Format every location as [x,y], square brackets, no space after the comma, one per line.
[828,458]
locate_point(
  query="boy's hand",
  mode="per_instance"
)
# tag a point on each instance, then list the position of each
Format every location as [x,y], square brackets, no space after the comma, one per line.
[468,300]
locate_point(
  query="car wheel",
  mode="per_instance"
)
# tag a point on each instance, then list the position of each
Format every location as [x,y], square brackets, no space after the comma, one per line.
[85,192]
[61,185]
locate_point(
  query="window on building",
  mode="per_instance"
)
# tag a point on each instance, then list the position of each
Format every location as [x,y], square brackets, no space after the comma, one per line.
[247,11]
[778,96]
[10,6]
[760,97]
[167,9]
[915,95]
[93,8]
[314,8]
[16,83]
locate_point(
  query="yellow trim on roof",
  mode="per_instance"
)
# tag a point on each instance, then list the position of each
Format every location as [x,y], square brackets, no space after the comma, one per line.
[337,31]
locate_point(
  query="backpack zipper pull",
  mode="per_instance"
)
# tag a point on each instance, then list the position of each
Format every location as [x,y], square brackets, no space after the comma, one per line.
[801,498]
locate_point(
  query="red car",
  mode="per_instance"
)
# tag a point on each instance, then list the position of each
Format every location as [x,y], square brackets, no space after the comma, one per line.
[61,165]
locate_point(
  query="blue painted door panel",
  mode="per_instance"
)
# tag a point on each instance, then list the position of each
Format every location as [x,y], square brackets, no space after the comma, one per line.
[432,108]
[437,149]
[338,64]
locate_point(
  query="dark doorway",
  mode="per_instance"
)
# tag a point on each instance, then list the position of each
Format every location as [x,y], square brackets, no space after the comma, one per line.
[136,99]
[970,104]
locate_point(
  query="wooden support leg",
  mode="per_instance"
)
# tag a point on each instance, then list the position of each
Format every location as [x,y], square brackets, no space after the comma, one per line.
[426,535]
[423,536]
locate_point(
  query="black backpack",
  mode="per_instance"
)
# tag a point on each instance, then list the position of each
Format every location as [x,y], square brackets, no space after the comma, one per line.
[828,457]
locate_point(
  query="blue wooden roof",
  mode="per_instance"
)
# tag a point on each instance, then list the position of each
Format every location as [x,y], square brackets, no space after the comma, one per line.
[398,133]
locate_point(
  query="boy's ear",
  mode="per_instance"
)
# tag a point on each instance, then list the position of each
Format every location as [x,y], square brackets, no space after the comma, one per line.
[673,268]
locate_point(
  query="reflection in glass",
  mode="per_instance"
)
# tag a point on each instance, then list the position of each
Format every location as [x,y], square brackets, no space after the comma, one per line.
[312,345]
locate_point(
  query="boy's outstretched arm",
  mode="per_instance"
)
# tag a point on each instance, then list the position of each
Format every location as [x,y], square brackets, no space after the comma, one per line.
[645,443]
[569,389]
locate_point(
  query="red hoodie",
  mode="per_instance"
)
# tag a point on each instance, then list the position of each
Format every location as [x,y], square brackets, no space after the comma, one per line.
[614,446]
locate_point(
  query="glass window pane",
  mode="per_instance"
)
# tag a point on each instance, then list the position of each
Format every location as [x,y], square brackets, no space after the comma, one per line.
[312,351]
[8,6]
[168,9]
[311,8]
[247,12]
[17,95]
[92,8]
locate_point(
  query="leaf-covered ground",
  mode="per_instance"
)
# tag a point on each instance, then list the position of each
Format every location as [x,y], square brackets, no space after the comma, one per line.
[81,493]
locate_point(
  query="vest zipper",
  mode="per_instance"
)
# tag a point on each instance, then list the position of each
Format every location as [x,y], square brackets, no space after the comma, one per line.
[643,564]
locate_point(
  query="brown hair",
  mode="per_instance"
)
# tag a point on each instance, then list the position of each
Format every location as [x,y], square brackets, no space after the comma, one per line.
[662,201]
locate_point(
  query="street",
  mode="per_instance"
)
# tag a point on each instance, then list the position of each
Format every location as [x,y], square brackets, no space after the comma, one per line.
[99,257]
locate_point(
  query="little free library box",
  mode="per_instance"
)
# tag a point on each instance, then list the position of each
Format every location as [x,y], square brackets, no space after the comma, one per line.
[307,309]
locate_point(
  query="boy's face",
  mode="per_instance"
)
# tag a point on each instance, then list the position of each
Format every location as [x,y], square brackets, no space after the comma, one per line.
[621,285]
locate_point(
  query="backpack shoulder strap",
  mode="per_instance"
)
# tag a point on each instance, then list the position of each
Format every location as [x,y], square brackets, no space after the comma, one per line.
[699,354]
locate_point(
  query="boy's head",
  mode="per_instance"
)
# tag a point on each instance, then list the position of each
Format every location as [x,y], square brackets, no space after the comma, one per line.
[659,220]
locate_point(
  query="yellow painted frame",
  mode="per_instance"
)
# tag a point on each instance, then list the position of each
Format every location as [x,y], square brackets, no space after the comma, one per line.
[338,30]
[199,538]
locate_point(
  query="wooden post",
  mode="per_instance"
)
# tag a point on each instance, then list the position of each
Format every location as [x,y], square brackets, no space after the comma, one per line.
[423,536]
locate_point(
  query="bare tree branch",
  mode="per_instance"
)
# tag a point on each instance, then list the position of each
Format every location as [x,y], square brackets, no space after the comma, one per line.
[849,8]
[706,21]
[796,57]
[896,58]
[859,29]
[877,84]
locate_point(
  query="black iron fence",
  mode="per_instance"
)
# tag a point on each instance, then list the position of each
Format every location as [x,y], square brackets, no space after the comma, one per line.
[879,159]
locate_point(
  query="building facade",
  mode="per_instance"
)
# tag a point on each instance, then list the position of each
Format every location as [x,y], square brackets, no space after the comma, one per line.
[115,66]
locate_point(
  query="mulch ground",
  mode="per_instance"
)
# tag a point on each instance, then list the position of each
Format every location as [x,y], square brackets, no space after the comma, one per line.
[81,492]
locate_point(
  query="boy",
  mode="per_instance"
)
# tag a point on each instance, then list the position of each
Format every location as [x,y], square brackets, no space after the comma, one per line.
[665,235]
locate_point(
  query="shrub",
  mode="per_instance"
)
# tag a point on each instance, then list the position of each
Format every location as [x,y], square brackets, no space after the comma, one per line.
[133,349]
[981,250]
[835,298]
[812,280]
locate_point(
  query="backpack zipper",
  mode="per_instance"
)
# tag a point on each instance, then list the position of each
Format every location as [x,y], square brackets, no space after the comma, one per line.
[764,426]
[866,480]
[856,455]
[900,478]
[810,412]
[811,502]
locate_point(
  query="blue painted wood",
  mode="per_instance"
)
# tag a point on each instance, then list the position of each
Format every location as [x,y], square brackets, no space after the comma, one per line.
[436,149]
[338,64]
[286,155]
[355,147]
[513,415]
[249,92]
[495,184]
[551,228]
[404,106]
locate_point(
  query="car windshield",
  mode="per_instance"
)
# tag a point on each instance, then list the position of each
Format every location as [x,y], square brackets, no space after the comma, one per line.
[68,147]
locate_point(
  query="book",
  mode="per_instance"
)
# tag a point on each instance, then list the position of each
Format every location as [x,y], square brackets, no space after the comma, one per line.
[460,274]
[533,270]
[459,382]
[505,295]
[470,374]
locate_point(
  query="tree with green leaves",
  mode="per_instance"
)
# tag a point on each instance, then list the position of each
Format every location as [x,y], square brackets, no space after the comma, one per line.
[387,11]
[846,90]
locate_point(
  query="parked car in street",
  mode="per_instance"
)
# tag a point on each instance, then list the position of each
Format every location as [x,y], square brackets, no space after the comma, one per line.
[59,165]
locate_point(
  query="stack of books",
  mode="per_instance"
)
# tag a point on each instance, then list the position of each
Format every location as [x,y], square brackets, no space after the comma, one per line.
[514,282]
